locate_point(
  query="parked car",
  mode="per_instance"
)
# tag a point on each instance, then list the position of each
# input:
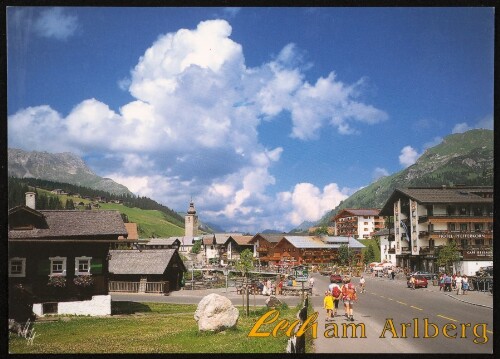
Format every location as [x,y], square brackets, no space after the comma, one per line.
[426,275]
[335,278]
[420,282]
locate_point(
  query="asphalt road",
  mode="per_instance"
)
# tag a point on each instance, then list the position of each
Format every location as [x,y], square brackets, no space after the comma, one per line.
[387,303]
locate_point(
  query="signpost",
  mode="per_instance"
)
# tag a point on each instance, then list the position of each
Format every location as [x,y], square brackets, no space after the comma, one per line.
[225,271]
[301,274]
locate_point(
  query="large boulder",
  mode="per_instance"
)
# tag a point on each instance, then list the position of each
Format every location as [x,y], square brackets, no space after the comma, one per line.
[272,301]
[216,313]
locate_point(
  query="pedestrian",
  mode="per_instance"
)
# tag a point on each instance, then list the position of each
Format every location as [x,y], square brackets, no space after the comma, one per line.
[336,291]
[465,284]
[349,296]
[412,282]
[279,287]
[458,283]
[447,283]
[441,281]
[311,283]
[393,274]
[453,282]
[269,286]
[362,284]
[328,305]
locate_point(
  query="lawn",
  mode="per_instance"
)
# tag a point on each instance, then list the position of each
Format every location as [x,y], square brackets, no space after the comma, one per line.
[149,328]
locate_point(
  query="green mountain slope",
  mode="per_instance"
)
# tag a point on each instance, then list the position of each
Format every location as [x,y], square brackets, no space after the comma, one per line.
[463,158]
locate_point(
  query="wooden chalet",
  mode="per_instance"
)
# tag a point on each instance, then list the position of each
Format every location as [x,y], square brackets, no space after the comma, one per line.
[264,247]
[233,247]
[294,250]
[60,257]
[145,271]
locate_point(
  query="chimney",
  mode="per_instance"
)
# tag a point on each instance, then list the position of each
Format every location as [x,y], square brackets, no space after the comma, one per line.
[30,200]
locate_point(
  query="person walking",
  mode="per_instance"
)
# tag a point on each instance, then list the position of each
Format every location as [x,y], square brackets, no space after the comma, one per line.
[336,291]
[362,284]
[458,283]
[441,282]
[328,305]
[350,296]
[393,274]
[447,283]
[311,284]
[465,284]
[279,287]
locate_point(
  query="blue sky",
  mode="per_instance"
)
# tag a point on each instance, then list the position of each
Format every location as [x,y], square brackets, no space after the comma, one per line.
[266,117]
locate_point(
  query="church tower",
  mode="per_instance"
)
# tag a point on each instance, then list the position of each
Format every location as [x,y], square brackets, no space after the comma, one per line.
[191,222]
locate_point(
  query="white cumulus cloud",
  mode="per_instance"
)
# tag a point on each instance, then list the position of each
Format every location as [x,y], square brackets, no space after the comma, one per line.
[192,128]
[408,156]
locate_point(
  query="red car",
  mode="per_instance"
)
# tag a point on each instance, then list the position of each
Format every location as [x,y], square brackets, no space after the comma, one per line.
[335,278]
[420,282]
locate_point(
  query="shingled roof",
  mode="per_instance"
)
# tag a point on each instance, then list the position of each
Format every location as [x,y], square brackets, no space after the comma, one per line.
[148,261]
[72,224]
[440,195]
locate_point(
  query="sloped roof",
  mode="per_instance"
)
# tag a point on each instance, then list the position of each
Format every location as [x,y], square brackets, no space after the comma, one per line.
[221,238]
[70,224]
[148,261]
[242,240]
[382,232]
[438,195]
[322,242]
[271,238]
[133,234]
[162,241]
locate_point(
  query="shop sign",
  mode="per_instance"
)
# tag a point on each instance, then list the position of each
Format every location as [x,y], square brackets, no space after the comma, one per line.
[478,254]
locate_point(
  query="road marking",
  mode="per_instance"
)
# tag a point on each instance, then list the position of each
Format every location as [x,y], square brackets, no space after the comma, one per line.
[416,307]
[401,302]
[382,296]
[442,316]
[390,298]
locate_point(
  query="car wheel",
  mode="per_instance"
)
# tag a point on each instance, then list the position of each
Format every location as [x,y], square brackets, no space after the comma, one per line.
[425,287]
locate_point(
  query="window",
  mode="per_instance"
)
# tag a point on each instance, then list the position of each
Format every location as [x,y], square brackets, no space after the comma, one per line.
[463,226]
[452,226]
[82,265]
[478,227]
[366,223]
[57,266]
[17,267]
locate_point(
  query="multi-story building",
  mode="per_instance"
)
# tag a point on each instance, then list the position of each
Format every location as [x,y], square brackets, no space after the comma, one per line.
[387,245]
[359,223]
[427,218]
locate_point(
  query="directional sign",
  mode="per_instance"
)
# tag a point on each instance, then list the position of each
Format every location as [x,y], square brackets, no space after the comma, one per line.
[300,273]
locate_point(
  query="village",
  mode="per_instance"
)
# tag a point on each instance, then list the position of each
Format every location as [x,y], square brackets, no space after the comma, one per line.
[70,260]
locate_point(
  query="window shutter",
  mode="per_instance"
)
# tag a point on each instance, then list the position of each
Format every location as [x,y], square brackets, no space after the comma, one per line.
[96,266]
[43,267]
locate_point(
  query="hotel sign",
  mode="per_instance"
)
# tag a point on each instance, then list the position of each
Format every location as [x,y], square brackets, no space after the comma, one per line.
[462,235]
[478,254]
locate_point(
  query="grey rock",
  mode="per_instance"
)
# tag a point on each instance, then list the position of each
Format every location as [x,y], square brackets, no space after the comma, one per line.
[216,313]
[272,301]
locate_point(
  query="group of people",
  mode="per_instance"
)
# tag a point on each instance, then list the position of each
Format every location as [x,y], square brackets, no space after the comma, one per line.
[456,282]
[345,292]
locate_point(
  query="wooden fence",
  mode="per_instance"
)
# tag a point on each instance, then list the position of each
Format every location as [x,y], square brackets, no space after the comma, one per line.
[137,287]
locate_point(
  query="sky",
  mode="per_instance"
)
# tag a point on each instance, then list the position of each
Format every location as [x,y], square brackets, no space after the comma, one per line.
[264,117]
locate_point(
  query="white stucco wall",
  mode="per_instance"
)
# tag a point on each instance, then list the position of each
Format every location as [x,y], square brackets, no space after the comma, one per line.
[471,267]
[98,305]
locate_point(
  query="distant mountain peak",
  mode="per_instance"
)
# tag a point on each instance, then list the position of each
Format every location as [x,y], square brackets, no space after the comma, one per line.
[65,167]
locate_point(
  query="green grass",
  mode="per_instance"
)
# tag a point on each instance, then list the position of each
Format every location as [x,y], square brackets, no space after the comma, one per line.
[151,222]
[155,328]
